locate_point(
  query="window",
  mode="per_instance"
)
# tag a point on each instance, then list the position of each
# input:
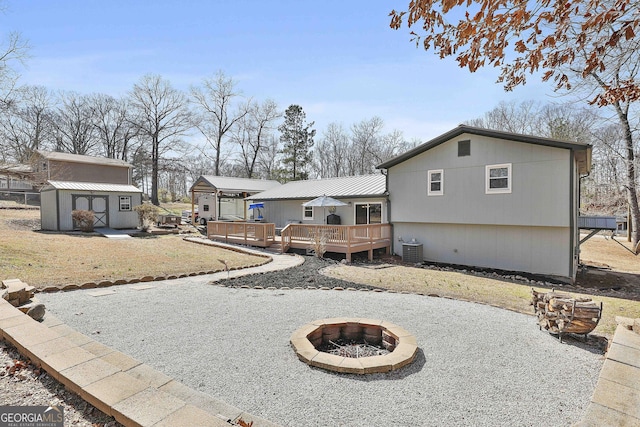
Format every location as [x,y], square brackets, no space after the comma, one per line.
[125,203]
[368,213]
[464,148]
[498,179]
[435,182]
[205,208]
[307,212]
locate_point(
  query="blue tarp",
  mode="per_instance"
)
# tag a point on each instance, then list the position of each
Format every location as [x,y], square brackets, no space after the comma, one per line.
[256,205]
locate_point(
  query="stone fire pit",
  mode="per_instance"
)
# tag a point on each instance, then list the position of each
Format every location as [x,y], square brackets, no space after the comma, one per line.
[400,344]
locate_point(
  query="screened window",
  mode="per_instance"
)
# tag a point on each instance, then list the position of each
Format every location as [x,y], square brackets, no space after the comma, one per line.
[435,182]
[498,179]
[125,203]
[307,212]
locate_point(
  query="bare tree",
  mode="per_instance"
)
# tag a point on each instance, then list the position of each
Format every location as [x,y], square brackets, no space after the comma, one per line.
[268,164]
[13,51]
[332,151]
[511,117]
[365,137]
[73,124]
[25,124]
[215,99]
[253,130]
[162,118]
[113,125]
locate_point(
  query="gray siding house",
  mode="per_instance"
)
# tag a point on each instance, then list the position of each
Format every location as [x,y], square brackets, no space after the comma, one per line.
[365,197]
[490,199]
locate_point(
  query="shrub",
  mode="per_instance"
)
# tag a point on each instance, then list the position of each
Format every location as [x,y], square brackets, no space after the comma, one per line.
[147,214]
[319,243]
[84,219]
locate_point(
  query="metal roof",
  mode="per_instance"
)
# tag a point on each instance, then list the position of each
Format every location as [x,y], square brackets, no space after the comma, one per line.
[91,186]
[78,158]
[462,129]
[351,186]
[211,183]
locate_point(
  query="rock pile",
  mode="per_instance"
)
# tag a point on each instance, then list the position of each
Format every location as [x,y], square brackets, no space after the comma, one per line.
[20,295]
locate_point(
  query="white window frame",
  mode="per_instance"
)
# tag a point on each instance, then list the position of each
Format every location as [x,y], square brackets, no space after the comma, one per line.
[120,198]
[306,209]
[488,169]
[431,192]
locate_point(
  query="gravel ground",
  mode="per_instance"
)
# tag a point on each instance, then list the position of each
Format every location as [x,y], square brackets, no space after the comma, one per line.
[22,384]
[477,365]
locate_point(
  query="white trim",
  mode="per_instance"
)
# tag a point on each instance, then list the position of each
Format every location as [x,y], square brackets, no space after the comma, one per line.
[130,203]
[487,179]
[304,211]
[438,192]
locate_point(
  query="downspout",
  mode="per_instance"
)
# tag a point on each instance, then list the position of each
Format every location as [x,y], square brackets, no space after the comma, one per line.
[385,172]
[572,225]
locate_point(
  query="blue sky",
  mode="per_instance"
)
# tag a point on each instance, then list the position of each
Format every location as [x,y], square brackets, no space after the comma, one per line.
[339,60]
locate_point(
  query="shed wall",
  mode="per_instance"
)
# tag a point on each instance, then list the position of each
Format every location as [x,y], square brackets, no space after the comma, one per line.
[48,211]
[538,250]
[116,218]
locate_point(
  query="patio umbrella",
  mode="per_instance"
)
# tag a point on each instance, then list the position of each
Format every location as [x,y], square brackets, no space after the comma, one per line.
[324,201]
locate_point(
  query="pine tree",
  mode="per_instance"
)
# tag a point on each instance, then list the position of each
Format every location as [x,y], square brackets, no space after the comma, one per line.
[297,138]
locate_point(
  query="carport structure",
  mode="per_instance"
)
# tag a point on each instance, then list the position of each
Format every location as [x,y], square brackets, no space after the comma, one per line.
[222,187]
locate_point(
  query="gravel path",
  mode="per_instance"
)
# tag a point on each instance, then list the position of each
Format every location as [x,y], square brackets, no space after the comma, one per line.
[477,365]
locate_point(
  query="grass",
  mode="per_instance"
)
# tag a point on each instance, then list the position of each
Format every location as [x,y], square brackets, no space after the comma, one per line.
[468,287]
[42,259]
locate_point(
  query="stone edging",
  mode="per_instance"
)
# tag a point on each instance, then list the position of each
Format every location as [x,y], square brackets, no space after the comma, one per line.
[401,344]
[144,279]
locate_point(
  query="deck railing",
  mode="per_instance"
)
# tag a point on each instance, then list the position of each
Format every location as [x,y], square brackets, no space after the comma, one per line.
[247,233]
[345,239]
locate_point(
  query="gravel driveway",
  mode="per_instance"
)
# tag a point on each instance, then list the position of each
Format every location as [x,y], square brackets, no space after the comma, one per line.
[477,365]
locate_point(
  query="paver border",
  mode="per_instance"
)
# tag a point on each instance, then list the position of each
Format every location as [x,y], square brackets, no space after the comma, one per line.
[403,346]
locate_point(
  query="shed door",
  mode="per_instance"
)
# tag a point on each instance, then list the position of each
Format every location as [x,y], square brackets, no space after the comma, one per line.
[97,204]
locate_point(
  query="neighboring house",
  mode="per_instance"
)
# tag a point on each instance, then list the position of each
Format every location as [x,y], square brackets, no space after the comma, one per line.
[223,198]
[365,197]
[16,178]
[490,199]
[54,166]
[76,182]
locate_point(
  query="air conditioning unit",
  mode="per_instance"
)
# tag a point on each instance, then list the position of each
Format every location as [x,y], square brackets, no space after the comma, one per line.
[412,253]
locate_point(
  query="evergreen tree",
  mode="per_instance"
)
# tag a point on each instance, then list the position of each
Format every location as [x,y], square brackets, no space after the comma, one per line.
[297,139]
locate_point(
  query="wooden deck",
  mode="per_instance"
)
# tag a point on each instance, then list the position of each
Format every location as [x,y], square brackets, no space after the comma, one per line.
[346,239]
[246,233]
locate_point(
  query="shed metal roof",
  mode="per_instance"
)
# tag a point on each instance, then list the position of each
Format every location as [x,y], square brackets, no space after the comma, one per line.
[91,186]
[585,161]
[210,183]
[78,158]
[351,186]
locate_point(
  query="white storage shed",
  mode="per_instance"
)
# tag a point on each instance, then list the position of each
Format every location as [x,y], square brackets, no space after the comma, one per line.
[112,204]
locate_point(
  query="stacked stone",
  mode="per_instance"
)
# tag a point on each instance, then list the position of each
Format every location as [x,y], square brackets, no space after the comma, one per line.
[21,295]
